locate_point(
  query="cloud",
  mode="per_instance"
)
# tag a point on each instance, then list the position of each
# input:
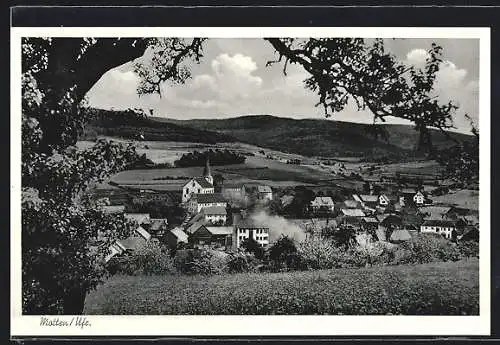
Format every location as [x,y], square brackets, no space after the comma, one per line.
[452,84]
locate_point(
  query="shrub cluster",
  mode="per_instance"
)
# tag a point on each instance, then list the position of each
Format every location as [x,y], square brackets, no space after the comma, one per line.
[149,259]
[217,157]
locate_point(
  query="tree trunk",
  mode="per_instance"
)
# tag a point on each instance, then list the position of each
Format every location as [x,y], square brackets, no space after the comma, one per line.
[74,302]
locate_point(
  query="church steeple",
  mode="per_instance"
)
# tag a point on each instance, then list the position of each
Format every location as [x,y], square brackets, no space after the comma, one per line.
[207,174]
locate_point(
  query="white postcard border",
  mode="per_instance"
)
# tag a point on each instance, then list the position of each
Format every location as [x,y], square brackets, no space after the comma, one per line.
[177,325]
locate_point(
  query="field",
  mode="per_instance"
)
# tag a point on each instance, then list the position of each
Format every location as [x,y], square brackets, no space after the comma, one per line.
[431,289]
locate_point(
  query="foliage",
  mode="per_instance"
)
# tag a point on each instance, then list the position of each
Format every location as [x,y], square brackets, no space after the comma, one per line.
[217,157]
[61,258]
[282,253]
[197,261]
[469,249]
[428,248]
[344,236]
[252,246]
[157,208]
[430,289]
[149,259]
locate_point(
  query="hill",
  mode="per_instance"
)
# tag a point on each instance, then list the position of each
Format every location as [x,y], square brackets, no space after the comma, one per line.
[132,125]
[318,137]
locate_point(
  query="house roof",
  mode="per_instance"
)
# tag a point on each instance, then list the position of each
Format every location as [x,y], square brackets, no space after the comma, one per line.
[181,235]
[158,223]
[220,230]
[139,218]
[380,234]
[132,242]
[113,209]
[248,223]
[351,203]
[214,210]
[408,191]
[391,219]
[354,212]
[201,181]
[369,198]
[146,235]
[434,212]
[438,222]
[195,226]
[232,186]
[264,189]
[209,198]
[370,220]
[381,217]
[323,200]
[400,235]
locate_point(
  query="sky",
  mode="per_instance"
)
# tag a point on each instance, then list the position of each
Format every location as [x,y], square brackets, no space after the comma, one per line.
[232,80]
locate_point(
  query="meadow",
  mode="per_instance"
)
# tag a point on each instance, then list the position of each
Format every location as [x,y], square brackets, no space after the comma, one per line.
[444,288]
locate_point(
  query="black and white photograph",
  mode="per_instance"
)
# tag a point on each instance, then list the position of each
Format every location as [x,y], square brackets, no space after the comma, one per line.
[283,175]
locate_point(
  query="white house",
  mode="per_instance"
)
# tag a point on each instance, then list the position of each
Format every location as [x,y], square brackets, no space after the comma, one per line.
[441,227]
[265,192]
[215,214]
[199,185]
[246,228]
[383,200]
[200,201]
[419,198]
[323,203]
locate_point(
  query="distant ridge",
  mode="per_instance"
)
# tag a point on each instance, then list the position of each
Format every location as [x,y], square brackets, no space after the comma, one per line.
[132,125]
[318,137]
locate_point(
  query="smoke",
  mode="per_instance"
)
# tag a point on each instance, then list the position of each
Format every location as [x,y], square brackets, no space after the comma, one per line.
[278,226]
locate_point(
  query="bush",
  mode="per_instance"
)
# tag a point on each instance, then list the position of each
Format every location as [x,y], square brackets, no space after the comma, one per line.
[321,254]
[428,248]
[469,249]
[150,259]
[196,261]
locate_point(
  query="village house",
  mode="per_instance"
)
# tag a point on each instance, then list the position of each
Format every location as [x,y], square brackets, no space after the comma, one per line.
[369,224]
[200,201]
[199,185]
[413,195]
[216,215]
[322,203]
[367,200]
[212,236]
[245,228]
[113,209]
[384,200]
[175,236]
[400,235]
[265,193]
[232,189]
[137,240]
[352,212]
[447,228]
[158,226]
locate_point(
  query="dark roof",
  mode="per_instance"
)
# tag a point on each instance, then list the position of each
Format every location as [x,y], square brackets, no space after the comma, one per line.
[400,235]
[438,222]
[217,210]
[203,183]
[264,189]
[209,198]
[232,186]
[248,223]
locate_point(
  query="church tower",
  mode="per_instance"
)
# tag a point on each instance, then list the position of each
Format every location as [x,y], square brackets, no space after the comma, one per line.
[207,174]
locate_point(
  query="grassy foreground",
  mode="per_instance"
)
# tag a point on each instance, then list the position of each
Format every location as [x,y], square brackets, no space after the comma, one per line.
[431,289]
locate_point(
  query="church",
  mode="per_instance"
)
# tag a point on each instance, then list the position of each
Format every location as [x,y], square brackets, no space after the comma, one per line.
[199,185]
